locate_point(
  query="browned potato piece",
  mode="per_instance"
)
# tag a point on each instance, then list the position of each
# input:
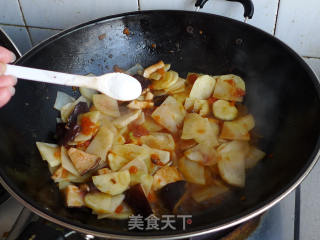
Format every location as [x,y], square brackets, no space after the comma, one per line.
[165,175]
[82,161]
[238,129]
[74,196]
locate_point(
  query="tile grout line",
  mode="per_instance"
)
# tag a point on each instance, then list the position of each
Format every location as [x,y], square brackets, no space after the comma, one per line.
[25,22]
[276,22]
[16,25]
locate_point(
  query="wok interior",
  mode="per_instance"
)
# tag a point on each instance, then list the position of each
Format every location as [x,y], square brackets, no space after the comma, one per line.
[282,94]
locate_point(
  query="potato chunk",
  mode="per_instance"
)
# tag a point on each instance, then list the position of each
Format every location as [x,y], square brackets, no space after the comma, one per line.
[230,87]
[112,183]
[169,114]
[83,161]
[73,196]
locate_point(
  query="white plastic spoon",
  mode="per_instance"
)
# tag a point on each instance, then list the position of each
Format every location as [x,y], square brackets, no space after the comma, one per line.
[119,86]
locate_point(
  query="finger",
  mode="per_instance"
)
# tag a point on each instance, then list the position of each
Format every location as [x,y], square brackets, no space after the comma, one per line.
[6,56]
[7,81]
[5,95]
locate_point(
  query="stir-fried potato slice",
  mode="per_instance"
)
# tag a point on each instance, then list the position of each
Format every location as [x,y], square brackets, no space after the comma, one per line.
[123,214]
[101,144]
[231,162]
[164,176]
[224,110]
[112,183]
[83,161]
[200,129]
[120,155]
[127,118]
[192,171]
[93,117]
[163,141]
[99,202]
[203,154]
[238,129]
[203,87]
[230,87]
[168,80]
[62,175]
[208,192]
[73,196]
[67,109]
[106,105]
[50,153]
[169,114]
[253,157]
[151,125]
[67,163]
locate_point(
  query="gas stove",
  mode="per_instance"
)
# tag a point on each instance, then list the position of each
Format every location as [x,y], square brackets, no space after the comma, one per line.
[280,222]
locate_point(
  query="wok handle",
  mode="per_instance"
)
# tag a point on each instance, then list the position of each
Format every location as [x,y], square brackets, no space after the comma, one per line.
[247,5]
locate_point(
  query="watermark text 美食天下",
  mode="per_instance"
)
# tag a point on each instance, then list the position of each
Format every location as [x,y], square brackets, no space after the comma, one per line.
[152,222]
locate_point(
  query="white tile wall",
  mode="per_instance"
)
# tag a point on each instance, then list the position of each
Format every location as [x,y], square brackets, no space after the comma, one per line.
[220,7]
[40,34]
[298,25]
[264,17]
[19,36]
[61,14]
[10,12]
[297,22]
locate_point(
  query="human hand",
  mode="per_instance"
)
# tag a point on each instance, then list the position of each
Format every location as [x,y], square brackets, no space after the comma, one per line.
[7,83]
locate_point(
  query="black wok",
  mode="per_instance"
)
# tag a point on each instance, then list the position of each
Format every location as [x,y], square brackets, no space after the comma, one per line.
[282,94]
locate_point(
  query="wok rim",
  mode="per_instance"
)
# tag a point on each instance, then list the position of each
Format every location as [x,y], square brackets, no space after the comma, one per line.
[236,219]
